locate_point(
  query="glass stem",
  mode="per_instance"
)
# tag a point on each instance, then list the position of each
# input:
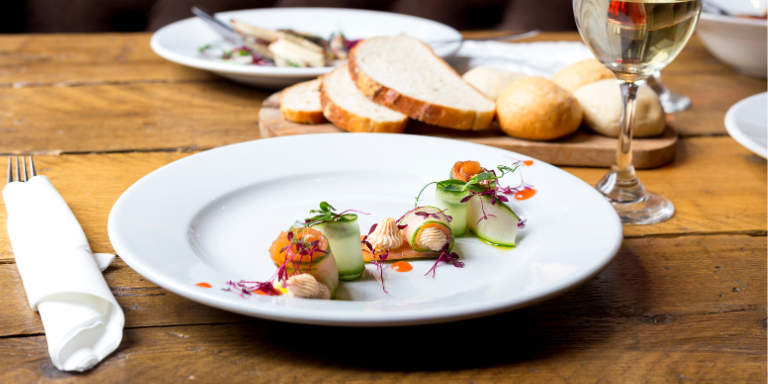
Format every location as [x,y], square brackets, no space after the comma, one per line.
[621,185]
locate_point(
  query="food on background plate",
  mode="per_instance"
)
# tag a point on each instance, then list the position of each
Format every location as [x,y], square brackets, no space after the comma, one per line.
[581,73]
[346,107]
[300,103]
[535,108]
[281,48]
[304,250]
[490,81]
[343,234]
[601,102]
[402,73]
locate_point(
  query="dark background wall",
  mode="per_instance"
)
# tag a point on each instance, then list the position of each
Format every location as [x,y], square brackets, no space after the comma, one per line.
[52,16]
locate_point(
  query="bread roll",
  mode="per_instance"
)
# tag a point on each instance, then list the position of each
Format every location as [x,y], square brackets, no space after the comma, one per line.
[601,102]
[535,108]
[490,81]
[584,72]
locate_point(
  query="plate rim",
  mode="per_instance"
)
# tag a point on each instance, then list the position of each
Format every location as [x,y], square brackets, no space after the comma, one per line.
[395,318]
[255,70]
[733,128]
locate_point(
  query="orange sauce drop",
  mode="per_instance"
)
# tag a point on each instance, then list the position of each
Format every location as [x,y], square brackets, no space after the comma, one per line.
[528,163]
[525,194]
[260,293]
[204,285]
[402,266]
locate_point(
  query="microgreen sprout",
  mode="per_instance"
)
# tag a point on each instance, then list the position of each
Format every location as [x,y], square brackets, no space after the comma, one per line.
[446,257]
[382,255]
[327,213]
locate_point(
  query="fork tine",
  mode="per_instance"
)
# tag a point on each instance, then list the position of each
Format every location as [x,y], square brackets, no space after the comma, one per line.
[10,169]
[24,168]
[32,170]
[18,172]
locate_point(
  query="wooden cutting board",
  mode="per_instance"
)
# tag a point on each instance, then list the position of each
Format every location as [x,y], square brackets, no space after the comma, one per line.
[583,148]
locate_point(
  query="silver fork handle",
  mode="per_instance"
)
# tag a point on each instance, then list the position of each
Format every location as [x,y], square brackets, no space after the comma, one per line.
[507,37]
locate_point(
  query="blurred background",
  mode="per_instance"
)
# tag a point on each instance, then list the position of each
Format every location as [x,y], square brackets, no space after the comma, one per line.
[52,16]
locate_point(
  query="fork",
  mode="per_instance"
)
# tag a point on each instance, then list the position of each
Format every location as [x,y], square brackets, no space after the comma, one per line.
[21,171]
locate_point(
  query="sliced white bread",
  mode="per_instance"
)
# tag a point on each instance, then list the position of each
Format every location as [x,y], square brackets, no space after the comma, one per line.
[346,107]
[300,103]
[403,73]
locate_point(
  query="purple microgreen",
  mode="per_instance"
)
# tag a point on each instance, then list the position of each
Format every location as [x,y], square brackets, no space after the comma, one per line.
[521,223]
[401,227]
[446,257]
[382,257]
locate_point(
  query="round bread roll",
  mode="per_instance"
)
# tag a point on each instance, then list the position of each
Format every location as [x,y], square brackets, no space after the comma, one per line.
[601,102]
[535,108]
[584,72]
[490,81]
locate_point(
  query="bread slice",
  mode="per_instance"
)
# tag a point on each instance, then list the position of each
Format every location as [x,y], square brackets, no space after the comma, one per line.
[344,105]
[403,73]
[300,103]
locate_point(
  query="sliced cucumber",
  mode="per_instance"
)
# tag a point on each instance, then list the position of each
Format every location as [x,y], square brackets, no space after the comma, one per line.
[499,229]
[344,240]
[451,200]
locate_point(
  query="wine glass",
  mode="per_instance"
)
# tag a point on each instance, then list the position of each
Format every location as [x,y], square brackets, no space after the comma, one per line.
[671,101]
[634,39]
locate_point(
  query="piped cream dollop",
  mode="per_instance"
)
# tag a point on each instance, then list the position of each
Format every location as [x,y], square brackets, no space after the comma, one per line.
[306,286]
[432,238]
[386,236]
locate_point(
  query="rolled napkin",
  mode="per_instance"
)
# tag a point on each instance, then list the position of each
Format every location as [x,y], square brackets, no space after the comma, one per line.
[543,58]
[62,277]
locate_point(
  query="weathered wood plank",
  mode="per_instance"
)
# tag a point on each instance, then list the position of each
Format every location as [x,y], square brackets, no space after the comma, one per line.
[129,117]
[690,308]
[716,185]
[77,59]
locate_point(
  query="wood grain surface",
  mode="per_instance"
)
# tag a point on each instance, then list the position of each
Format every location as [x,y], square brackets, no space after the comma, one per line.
[583,148]
[684,301]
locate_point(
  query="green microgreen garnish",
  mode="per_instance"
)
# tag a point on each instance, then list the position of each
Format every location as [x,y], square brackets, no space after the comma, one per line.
[475,184]
[327,213]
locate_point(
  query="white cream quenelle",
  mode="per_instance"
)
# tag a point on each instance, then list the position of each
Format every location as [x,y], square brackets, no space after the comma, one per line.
[386,236]
[432,238]
[306,286]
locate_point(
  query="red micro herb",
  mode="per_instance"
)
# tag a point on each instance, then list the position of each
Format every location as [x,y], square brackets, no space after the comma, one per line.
[382,256]
[445,257]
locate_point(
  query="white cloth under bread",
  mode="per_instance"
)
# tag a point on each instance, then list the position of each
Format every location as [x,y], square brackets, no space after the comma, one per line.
[62,278]
[543,58]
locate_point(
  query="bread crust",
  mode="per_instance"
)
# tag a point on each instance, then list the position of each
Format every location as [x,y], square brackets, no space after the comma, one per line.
[351,122]
[418,109]
[299,116]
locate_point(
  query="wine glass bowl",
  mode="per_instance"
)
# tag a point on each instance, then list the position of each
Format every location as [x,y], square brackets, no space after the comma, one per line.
[634,39]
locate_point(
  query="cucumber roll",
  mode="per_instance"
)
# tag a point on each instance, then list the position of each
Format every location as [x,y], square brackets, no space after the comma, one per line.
[428,229]
[449,199]
[344,236]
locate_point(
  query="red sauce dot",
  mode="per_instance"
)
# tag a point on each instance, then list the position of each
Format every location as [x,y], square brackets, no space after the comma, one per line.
[402,266]
[528,163]
[204,285]
[525,194]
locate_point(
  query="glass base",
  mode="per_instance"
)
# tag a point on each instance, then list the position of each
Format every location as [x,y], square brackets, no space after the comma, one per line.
[632,202]
[674,102]
[653,208]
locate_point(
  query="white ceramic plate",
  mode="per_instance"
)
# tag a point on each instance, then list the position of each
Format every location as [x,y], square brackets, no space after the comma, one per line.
[179,42]
[747,123]
[211,217]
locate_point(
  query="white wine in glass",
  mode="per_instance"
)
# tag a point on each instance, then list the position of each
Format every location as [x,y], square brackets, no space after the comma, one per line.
[634,39]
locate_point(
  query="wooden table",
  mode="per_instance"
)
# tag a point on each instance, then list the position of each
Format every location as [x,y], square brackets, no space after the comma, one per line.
[684,301]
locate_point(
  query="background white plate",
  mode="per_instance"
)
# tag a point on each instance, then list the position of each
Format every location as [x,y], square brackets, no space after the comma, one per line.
[747,122]
[212,216]
[179,42]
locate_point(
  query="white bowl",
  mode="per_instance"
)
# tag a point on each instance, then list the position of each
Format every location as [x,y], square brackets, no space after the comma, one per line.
[738,42]
[179,42]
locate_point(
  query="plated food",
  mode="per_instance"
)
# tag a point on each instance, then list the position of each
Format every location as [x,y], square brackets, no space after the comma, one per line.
[378,91]
[315,253]
[281,48]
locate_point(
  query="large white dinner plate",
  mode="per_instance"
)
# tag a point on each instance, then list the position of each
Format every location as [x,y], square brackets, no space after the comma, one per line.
[211,217]
[180,42]
[747,122]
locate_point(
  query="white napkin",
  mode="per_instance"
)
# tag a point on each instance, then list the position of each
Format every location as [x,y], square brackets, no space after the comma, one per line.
[533,59]
[82,320]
